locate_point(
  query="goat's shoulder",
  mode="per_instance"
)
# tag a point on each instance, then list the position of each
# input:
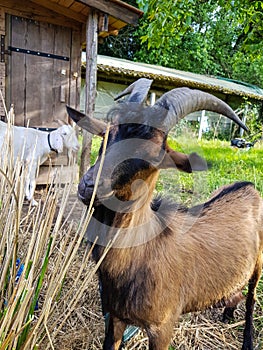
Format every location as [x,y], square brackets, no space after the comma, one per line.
[242,189]
[240,194]
[237,194]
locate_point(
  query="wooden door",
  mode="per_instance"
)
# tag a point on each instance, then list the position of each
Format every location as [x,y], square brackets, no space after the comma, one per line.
[39,71]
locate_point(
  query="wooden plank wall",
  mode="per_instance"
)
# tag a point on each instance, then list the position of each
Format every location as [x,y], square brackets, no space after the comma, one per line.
[75,70]
[50,83]
[66,87]
[40,85]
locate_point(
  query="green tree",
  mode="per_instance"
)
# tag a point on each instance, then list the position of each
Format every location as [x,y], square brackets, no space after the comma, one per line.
[209,37]
[125,45]
[175,18]
[215,37]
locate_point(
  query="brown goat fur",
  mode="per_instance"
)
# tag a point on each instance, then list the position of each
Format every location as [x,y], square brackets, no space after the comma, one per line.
[193,259]
[166,259]
[202,265]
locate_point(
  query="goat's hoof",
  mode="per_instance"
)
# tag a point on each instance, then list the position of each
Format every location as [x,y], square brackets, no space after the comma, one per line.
[248,345]
[228,314]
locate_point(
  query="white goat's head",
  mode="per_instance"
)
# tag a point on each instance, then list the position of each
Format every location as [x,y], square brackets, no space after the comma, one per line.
[64,136]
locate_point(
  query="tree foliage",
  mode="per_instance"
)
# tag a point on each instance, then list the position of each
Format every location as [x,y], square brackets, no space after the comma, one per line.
[215,37]
[175,18]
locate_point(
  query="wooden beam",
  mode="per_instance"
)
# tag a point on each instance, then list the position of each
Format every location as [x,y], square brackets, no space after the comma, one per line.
[66,3]
[91,83]
[28,9]
[2,21]
[117,9]
[103,22]
[61,10]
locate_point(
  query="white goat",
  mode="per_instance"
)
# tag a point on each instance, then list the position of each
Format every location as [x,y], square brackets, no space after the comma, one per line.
[33,147]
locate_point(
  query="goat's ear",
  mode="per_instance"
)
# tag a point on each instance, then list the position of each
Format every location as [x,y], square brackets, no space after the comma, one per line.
[94,126]
[183,162]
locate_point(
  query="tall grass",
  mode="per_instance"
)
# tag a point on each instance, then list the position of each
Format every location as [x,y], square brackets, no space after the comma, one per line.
[37,248]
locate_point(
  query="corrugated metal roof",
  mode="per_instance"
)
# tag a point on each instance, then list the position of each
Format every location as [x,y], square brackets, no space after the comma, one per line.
[167,77]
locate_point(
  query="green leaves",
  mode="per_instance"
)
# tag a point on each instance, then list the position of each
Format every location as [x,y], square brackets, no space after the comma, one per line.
[163,20]
[213,37]
[208,37]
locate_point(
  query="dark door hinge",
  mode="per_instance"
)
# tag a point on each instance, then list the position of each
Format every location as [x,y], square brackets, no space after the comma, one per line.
[2,49]
[37,53]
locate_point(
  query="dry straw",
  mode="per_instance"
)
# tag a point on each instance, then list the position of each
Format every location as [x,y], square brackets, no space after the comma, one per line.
[38,246]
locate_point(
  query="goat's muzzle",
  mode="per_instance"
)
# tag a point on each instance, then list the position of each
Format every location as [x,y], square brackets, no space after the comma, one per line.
[86,188]
[85,192]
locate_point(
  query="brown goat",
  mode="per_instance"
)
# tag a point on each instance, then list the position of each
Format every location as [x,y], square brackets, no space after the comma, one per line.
[166,259]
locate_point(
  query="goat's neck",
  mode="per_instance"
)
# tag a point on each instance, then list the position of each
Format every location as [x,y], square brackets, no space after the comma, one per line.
[137,197]
[133,221]
[50,142]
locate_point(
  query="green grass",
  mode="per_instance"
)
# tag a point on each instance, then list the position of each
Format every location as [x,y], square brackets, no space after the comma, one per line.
[226,165]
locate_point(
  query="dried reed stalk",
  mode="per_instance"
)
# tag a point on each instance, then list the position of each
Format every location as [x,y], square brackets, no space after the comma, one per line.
[37,248]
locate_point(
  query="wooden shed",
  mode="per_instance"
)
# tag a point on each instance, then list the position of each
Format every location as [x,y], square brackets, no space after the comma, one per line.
[40,59]
[122,72]
[114,74]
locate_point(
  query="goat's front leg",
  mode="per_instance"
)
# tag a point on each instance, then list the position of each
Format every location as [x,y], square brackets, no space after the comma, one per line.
[160,336]
[113,334]
[30,185]
[250,302]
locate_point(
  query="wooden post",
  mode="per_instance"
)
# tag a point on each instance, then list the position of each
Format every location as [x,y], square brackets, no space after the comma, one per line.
[91,83]
[152,98]
[200,132]
[244,118]
[2,67]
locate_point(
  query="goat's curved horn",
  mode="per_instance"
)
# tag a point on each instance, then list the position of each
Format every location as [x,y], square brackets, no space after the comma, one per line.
[183,101]
[138,90]
[94,126]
